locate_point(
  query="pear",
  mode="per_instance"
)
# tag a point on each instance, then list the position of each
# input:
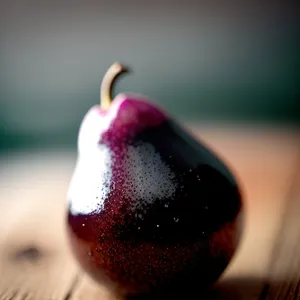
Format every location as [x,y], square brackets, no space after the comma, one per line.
[151,209]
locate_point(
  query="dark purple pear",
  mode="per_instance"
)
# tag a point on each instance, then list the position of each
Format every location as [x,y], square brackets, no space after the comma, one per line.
[151,209]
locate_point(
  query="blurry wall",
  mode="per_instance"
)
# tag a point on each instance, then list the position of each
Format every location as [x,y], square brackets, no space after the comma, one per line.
[203,62]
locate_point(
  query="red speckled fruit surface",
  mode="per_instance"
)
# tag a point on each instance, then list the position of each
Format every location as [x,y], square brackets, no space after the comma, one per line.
[151,209]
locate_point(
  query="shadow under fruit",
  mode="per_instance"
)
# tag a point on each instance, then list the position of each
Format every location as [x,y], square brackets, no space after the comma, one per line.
[151,209]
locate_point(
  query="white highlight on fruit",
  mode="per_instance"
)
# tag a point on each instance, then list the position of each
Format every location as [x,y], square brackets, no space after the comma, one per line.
[147,177]
[93,125]
[89,186]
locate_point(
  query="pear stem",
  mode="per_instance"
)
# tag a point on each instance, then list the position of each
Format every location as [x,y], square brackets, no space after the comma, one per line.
[109,78]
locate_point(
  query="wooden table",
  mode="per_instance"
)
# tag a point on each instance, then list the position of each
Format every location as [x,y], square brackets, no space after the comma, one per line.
[35,262]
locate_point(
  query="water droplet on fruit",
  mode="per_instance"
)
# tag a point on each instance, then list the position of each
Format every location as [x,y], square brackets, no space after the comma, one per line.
[83,224]
[148,176]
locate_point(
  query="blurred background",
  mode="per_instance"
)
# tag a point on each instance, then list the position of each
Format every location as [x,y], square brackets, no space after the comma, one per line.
[228,70]
[233,62]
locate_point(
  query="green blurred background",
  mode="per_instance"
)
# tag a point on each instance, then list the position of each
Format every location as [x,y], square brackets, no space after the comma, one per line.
[235,62]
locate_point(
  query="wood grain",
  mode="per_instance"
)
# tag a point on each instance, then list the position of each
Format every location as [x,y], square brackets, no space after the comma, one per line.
[34,259]
[36,263]
[283,281]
